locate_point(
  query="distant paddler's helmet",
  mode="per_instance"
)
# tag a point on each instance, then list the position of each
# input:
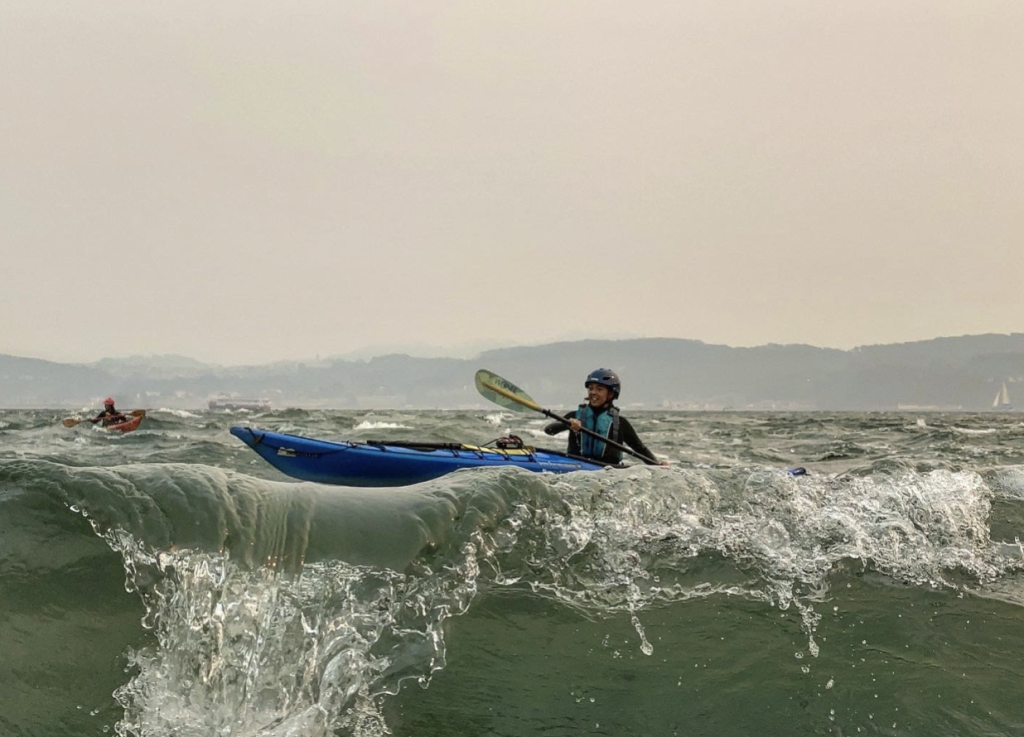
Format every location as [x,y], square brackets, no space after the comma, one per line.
[108,402]
[605,377]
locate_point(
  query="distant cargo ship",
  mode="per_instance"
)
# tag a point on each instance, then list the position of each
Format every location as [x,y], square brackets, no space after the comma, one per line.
[233,403]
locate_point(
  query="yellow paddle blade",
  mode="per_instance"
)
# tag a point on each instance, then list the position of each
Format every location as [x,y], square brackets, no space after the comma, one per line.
[504,393]
[69,422]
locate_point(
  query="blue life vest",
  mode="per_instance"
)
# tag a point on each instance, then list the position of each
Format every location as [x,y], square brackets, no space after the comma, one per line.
[605,424]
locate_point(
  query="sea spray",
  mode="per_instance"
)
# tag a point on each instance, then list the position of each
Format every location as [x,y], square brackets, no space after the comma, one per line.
[260,651]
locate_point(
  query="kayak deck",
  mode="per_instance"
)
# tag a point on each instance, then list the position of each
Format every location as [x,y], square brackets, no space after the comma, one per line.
[399,464]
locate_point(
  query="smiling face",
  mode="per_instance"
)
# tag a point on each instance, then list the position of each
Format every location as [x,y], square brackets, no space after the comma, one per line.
[598,395]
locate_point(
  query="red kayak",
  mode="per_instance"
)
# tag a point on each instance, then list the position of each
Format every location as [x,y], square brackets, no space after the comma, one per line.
[126,426]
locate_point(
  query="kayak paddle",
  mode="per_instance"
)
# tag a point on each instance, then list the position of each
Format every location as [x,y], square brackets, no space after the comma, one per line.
[71,422]
[506,394]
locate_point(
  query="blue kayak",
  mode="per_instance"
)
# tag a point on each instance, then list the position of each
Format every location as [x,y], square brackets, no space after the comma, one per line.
[393,464]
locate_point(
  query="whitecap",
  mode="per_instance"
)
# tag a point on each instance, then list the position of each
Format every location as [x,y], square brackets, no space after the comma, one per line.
[367,425]
[182,413]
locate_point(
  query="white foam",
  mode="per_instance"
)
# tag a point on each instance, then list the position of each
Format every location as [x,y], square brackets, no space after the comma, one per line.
[367,425]
[1009,482]
[183,414]
[497,418]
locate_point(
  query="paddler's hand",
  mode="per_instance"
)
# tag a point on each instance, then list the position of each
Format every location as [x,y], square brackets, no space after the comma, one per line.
[575,425]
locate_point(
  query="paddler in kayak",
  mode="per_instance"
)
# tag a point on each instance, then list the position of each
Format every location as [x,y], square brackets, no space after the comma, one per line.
[109,416]
[600,415]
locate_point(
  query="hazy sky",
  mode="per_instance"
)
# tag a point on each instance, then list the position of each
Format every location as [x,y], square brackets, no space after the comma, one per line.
[250,180]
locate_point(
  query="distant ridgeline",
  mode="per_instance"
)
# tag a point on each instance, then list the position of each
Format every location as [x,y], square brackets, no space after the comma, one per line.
[658,373]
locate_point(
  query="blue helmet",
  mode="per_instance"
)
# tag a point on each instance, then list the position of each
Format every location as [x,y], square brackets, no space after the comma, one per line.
[605,377]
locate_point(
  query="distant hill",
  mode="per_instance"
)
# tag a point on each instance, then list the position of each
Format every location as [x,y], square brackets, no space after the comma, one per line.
[169,366]
[31,382]
[945,373]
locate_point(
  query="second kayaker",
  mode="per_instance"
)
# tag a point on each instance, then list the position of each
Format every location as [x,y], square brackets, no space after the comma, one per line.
[109,416]
[599,414]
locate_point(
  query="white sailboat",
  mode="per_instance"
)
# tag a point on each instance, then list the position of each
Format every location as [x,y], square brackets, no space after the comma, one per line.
[1002,400]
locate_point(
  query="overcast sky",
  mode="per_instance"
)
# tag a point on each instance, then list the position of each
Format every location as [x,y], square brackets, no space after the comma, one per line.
[251,180]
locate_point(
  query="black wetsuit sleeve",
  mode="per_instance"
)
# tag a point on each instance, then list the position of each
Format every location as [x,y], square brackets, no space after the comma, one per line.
[556,427]
[628,436]
[109,418]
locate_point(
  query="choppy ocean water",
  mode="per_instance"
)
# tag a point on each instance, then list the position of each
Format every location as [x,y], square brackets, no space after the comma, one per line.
[170,582]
